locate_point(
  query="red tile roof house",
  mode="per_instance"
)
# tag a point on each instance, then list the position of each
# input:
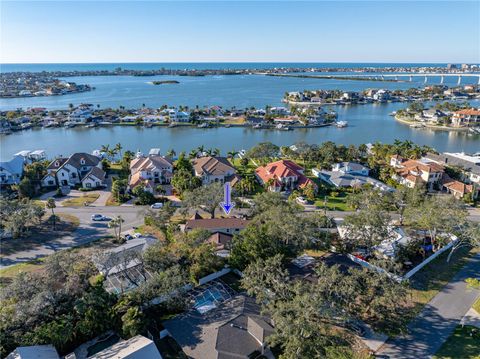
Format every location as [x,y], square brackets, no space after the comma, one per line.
[283,175]
[459,189]
[412,173]
[466,117]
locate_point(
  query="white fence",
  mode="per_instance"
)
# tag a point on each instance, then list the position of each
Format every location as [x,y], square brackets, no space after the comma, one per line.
[214,276]
[409,273]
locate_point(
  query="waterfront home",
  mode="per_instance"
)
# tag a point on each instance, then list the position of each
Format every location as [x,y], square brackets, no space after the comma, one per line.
[382,95]
[214,169]
[413,173]
[11,171]
[31,156]
[80,115]
[151,119]
[150,172]
[459,189]
[283,175]
[431,115]
[350,174]
[466,117]
[469,165]
[176,116]
[229,225]
[280,111]
[234,329]
[71,171]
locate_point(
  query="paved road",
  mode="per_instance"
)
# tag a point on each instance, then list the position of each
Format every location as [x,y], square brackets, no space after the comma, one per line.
[437,320]
[86,232]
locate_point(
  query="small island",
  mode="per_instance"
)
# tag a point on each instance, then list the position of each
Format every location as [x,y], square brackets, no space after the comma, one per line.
[164,82]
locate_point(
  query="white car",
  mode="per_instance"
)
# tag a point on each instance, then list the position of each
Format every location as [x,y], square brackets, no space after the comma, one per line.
[157,205]
[100,217]
[302,200]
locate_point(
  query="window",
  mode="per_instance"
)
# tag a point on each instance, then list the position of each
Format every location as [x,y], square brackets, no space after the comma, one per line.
[88,185]
[50,182]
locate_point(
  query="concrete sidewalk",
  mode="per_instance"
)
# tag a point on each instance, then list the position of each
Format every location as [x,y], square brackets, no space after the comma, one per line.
[438,319]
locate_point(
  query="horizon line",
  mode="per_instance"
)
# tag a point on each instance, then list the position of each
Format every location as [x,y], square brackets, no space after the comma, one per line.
[234,62]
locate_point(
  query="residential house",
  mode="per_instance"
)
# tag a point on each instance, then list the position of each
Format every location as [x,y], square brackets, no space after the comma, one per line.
[150,171]
[433,115]
[72,171]
[11,171]
[121,266]
[468,164]
[412,173]
[221,225]
[282,175]
[466,117]
[222,243]
[459,189]
[349,174]
[214,169]
[138,347]
[382,95]
[236,329]
[177,116]
[80,115]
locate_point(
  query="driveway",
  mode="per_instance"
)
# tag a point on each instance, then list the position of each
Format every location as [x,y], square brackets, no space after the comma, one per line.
[438,319]
[86,232]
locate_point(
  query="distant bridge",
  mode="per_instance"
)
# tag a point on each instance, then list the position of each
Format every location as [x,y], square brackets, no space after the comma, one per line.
[410,76]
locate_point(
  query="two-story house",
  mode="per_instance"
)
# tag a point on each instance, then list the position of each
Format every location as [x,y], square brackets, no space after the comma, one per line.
[150,172]
[412,173]
[282,175]
[214,169]
[80,169]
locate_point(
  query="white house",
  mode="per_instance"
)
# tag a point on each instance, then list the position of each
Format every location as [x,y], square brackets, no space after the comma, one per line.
[73,170]
[11,171]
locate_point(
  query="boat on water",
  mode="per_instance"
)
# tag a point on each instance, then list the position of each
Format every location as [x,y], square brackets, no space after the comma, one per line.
[341,124]
[257,126]
[392,113]
[417,125]
[203,125]
[91,125]
[70,124]
[227,125]
[279,126]
[172,125]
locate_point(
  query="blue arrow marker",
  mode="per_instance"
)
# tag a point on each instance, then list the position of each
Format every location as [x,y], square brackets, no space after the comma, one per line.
[227,205]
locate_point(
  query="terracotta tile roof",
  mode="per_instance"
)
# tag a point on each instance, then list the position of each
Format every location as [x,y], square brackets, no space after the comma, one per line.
[282,169]
[136,180]
[458,187]
[414,165]
[468,112]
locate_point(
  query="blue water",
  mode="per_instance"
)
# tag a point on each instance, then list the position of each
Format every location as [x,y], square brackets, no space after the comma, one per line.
[367,123]
[190,65]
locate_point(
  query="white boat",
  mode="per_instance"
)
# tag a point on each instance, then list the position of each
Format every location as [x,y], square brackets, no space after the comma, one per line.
[203,125]
[392,113]
[258,125]
[70,124]
[341,124]
[417,125]
[279,126]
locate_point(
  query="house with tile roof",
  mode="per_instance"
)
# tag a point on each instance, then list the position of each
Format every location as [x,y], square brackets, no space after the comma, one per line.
[466,117]
[150,172]
[283,175]
[413,173]
[72,171]
[215,169]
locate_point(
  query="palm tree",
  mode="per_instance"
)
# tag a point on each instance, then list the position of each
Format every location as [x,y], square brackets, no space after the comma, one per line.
[208,152]
[118,148]
[50,204]
[201,149]
[116,223]
[232,154]
[171,153]
[216,152]
[105,149]
[192,154]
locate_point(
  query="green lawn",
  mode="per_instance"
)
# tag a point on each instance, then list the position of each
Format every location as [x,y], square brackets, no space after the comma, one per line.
[426,283]
[79,201]
[476,305]
[6,274]
[464,343]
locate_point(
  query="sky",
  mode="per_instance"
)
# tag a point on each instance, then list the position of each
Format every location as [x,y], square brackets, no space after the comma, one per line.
[239,31]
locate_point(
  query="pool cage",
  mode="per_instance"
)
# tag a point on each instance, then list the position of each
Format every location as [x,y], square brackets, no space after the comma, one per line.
[210,296]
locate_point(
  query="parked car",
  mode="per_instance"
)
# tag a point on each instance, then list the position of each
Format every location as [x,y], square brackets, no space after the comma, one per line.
[157,205]
[100,217]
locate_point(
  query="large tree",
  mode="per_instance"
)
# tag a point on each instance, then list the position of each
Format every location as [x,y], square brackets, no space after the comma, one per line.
[206,197]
